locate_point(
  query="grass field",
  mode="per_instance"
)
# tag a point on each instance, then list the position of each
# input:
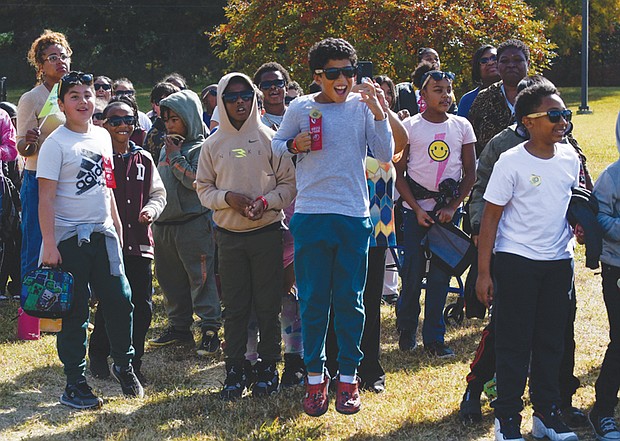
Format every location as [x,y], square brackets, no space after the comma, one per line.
[421,401]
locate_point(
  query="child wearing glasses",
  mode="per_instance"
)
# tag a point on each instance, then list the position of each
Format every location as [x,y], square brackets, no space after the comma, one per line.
[184,247]
[435,174]
[81,228]
[247,186]
[140,198]
[271,78]
[524,224]
[329,132]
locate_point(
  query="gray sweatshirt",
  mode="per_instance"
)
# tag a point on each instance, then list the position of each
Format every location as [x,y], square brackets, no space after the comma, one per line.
[333,180]
[607,192]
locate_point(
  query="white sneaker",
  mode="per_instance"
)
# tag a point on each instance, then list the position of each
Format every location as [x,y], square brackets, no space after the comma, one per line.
[551,426]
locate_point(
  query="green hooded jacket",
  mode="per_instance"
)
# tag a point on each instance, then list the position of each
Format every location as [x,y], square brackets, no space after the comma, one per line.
[178,169]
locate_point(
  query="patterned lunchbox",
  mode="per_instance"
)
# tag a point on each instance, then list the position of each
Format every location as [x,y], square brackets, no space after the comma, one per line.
[47,293]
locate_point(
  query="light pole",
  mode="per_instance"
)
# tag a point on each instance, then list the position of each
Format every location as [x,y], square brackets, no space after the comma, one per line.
[585,30]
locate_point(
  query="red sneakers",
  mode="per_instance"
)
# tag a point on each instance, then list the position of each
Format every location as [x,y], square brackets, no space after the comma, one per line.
[316,401]
[348,398]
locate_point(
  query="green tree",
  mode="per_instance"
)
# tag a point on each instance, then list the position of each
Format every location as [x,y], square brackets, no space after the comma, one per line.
[387,32]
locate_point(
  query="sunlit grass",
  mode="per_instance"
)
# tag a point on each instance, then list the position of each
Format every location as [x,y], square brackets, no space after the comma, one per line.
[421,401]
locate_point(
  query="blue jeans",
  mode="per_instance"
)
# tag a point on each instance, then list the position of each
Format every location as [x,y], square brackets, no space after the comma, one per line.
[31,231]
[331,258]
[437,284]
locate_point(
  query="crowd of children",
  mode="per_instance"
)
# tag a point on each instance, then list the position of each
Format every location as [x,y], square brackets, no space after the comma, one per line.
[281,209]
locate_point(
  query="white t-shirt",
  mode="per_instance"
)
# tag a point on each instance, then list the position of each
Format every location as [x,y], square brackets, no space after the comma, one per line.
[76,162]
[435,151]
[535,194]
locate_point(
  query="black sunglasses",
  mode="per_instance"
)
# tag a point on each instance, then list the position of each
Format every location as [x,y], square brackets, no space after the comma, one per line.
[245,95]
[213,92]
[124,92]
[554,115]
[102,86]
[116,121]
[332,73]
[74,78]
[98,116]
[436,75]
[487,60]
[269,84]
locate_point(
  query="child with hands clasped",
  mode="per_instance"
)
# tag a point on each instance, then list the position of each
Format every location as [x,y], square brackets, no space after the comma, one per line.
[435,173]
[329,132]
[524,223]
[81,229]
[247,186]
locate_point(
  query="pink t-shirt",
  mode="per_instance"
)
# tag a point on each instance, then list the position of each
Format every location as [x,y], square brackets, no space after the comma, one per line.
[435,151]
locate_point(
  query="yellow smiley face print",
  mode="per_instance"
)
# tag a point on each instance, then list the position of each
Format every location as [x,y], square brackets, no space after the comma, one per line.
[438,151]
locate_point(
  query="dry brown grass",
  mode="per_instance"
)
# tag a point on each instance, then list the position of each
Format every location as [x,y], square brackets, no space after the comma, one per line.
[420,403]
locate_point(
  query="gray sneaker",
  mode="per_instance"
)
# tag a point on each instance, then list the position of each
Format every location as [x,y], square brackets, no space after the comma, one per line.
[129,382]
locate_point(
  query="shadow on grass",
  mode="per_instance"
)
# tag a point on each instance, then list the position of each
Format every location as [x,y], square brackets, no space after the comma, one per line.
[178,404]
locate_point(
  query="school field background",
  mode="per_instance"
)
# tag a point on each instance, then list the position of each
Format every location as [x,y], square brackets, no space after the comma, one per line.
[421,401]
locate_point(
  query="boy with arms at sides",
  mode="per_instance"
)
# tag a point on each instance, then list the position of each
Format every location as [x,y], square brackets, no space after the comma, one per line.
[184,250]
[331,224]
[524,225]
[140,198]
[247,185]
[80,228]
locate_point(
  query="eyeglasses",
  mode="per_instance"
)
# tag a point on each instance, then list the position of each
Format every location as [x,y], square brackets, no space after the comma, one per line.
[98,116]
[74,78]
[213,92]
[124,92]
[554,115]
[245,95]
[436,75]
[487,60]
[116,121]
[332,73]
[102,86]
[54,58]
[269,84]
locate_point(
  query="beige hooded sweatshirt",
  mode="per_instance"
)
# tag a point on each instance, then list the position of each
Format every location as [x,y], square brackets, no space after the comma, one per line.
[242,161]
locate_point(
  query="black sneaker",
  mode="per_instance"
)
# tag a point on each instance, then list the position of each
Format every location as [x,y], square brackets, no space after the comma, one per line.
[173,336]
[550,424]
[573,417]
[294,370]
[605,427]
[508,429]
[249,370]
[80,396]
[439,350]
[235,383]
[99,367]
[470,411]
[267,380]
[141,378]
[129,382]
[210,342]
[406,341]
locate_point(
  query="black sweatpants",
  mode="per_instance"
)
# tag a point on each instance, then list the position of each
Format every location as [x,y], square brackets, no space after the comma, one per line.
[532,303]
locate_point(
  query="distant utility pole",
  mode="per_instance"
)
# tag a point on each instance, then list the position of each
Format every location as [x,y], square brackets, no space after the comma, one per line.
[585,31]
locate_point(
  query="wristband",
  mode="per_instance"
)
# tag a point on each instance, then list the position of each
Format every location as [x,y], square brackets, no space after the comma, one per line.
[264,201]
[293,148]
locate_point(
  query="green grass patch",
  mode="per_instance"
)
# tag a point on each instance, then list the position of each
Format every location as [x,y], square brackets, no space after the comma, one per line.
[421,401]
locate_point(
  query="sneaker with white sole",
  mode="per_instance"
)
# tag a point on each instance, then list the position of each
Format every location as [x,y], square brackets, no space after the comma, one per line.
[508,429]
[80,396]
[549,424]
